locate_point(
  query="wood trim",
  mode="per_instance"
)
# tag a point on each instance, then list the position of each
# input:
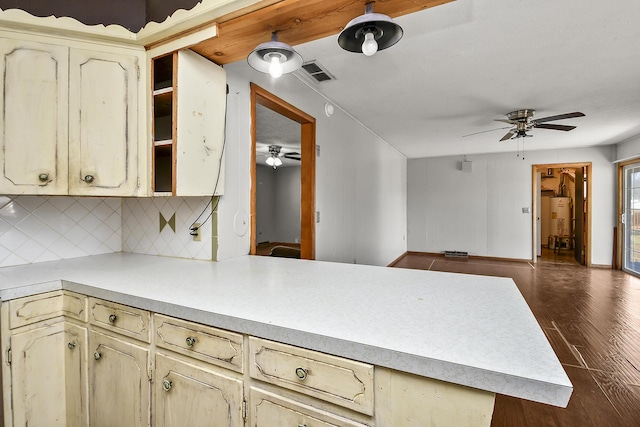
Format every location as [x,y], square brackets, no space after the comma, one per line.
[297,22]
[252,215]
[307,167]
[174,124]
[395,261]
[588,220]
[478,257]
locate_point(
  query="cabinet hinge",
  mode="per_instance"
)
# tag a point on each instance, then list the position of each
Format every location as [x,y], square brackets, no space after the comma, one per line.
[138,71]
[244,410]
[8,355]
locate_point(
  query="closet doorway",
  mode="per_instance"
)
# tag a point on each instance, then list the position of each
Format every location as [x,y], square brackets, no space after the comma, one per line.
[562,213]
[269,105]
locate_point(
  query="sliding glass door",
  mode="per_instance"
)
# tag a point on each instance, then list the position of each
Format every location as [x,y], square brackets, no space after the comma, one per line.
[631,219]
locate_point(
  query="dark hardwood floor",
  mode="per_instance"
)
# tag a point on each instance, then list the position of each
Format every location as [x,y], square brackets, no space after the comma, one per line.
[591,317]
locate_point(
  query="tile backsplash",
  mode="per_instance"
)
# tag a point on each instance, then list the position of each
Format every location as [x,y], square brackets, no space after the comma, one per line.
[42,228]
[160,226]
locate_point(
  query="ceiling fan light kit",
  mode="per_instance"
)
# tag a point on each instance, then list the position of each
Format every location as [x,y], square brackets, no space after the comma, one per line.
[274,57]
[370,33]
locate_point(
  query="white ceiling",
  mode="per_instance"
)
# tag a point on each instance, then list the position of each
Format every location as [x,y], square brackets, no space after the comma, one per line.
[461,65]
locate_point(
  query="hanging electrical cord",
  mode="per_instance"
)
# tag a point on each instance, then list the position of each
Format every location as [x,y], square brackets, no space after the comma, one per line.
[193,230]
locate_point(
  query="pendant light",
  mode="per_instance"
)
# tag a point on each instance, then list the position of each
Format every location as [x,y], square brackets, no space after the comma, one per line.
[369,33]
[274,57]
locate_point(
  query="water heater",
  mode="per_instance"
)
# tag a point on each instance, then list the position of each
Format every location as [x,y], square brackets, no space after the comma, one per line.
[560,208]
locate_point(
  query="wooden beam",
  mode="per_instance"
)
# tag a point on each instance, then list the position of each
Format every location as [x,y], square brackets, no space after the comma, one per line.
[297,21]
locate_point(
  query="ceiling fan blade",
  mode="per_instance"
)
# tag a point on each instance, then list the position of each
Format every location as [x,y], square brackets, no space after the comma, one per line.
[485,131]
[554,127]
[509,135]
[558,117]
[292,156]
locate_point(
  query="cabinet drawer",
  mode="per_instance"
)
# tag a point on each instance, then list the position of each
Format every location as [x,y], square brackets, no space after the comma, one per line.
[36,308]
[333,379]
[268,410]
[122,319]
[215,346]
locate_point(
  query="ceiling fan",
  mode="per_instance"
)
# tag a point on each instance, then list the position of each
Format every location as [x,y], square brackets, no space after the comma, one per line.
[275,153]
[522,121]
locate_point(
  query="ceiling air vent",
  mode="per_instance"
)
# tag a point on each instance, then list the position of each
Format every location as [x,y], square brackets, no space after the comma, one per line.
[314,70]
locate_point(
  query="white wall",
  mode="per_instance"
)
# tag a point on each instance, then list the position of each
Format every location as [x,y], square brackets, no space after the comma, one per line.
[360,180]
[628,150]
[278,204]
[481,212]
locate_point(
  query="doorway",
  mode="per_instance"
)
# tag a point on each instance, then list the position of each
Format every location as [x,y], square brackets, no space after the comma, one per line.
[265,103]
[562,213]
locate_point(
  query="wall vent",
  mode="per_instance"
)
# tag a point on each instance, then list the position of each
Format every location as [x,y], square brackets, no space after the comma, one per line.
[317,72]
[455,254]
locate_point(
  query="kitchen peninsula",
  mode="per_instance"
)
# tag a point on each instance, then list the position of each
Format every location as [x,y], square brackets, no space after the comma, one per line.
[446,336]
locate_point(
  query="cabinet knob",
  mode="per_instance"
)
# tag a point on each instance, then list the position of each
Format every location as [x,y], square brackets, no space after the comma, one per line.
[97,355]
[166,385]
[302,425]
[71,345]
[113,318]
[190,341]
[301,373]
[89,179]
[43,177]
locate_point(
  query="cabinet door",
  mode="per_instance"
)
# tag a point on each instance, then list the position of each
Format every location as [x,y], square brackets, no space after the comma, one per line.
[187,395]
[103,114]
[201,109]
[33,118]
[48,376]
[119,377]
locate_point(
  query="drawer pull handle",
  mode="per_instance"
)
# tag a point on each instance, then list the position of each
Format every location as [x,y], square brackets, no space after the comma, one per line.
[301,373]
[71,345]
[97,355]
[113,318]
[191,341]
[166,385]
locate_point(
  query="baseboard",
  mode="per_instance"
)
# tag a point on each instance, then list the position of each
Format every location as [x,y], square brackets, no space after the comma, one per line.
[478,257]
[607,266]
[395,261]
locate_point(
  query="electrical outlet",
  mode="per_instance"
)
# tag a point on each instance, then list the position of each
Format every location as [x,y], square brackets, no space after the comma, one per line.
[196,232]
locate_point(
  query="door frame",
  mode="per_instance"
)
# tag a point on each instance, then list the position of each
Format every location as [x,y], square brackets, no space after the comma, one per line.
[619,231]
[587,224]
[307,167]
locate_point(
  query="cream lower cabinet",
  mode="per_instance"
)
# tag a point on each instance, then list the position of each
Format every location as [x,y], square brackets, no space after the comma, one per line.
[194,396]
[44,369]
[69,360]
[119,376]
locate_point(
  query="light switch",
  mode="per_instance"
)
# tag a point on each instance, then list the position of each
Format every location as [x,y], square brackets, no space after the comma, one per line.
[525,210]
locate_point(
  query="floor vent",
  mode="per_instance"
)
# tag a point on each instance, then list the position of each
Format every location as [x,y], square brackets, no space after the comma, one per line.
[456,254]
[316,72]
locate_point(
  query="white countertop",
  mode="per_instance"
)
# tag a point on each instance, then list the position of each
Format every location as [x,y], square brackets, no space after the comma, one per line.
[472,330]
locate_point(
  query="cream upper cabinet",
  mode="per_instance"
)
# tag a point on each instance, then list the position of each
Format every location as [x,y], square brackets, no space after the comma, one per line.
[103,123]
[189,106]
[34,118]
[71,115]
[194,396]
